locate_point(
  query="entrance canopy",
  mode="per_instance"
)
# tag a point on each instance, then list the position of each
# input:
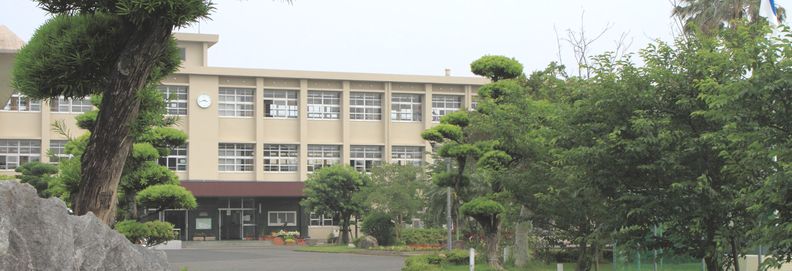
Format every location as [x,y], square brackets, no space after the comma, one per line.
[244,189]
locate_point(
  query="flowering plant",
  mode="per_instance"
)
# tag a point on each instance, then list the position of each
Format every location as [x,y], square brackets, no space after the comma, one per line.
[287,234]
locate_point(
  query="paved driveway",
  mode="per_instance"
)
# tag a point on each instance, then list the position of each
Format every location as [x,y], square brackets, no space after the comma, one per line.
[277,258]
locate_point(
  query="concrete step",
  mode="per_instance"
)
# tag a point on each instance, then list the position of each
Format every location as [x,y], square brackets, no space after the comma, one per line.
[226,244]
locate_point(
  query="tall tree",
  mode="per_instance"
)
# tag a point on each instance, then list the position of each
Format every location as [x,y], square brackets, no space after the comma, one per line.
[710,16]
[113,48]
[332,191]
[396,190]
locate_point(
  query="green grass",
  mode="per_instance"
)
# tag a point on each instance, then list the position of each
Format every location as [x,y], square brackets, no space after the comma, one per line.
[328,249]
[539,266]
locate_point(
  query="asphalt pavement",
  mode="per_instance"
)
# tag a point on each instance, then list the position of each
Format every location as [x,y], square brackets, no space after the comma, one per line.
[277,258]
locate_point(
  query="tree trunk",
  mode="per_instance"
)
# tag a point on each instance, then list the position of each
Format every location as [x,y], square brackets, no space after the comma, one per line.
[584,260]
[523,228]
[132,208]
[345,228]
[110,140]
[493,258]
[735,255]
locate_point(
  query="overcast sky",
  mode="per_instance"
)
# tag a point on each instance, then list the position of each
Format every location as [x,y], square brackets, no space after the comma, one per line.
[403,36]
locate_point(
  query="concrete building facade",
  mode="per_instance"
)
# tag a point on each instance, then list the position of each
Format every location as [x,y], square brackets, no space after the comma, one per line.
[255,135]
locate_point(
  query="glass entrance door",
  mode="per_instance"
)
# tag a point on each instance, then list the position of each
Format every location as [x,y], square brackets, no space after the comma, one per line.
[230,224]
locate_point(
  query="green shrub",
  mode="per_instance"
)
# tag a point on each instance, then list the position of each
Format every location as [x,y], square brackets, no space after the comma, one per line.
[419,263]
[379,226]
[423,236]
[436,260]
[150,233]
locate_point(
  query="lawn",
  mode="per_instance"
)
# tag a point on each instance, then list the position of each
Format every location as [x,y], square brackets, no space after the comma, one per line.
[538,266]
[328,249]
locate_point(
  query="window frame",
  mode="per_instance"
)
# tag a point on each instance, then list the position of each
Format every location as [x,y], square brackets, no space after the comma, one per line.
[240,161]
[398,105]
[366,163]
[321,220]
[286,217]
[286,158]
[397,151]
[319,111]
[30,104]
[175,154]
[176,102]
[57,153]
[446,105]
[83,105]
[33,154]
[368,101]
[323,150]
[237,104]
[291,111]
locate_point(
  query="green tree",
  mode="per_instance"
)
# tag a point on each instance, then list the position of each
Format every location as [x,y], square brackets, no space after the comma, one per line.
[397,191]
[114,48]
[332,190]
[38,175]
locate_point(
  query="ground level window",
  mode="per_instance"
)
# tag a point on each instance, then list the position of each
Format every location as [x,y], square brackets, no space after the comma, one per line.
[322,220]
[14,153]
[282,218]
[364,158]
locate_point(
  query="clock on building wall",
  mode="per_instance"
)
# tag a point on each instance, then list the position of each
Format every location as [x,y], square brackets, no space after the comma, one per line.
[204,101]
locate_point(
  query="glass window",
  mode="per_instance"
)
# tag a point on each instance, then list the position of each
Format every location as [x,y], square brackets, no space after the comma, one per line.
[235,157]
[21,103]
[364,158]
[175,99]
[323,155]
[473,103]
[280,157]
[406,107]
[444,104]
[324,104]
[407,155]
[365,106]
[280,103]
[176,160]
[282,218]
[57,151]
[64,105]
[14,153]
[322,220]
[235,102]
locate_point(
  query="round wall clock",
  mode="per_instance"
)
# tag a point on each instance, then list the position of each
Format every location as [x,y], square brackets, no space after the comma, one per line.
[204,101]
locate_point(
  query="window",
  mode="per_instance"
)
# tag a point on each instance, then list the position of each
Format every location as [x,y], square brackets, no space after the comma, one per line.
[182,53]
[407,155]
[57,151]
[282,218]
[280,157]
[322,220]
[235,157]
[64,105]
[176,160]
[175,99]
[444,104]
[235,102]
[473,103]
[280,103]
[21,103]
[406,107]
[364,158]
[323,105]
[17,152]
[323,155]
[365,106]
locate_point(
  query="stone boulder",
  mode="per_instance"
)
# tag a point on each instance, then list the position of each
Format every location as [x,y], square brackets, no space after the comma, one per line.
[367,242]
[39,234]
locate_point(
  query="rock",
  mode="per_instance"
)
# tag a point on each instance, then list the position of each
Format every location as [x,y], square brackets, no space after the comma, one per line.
[39,234]
[367,242]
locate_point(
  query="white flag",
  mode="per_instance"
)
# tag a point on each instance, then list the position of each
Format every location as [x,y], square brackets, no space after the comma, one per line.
[768,10]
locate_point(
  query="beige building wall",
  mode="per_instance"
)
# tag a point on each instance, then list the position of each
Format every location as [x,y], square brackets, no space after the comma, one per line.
[206,128]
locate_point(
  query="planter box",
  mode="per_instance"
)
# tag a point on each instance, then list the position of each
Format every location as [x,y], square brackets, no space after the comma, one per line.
[278,241]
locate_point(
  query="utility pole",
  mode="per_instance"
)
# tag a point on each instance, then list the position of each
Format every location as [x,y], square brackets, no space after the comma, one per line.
[449,219]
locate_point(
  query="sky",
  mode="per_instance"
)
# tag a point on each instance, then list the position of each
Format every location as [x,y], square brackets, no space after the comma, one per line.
[421,37]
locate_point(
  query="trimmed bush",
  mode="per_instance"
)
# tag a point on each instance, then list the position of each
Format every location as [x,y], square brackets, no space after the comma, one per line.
[150,233]
[423,236]
[379,226]
[436,261]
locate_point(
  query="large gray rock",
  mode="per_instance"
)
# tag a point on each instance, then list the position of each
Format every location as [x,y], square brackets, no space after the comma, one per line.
[367,242]
[39,234]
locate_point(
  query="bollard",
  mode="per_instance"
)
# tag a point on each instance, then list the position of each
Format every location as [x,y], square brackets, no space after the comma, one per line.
[559,267]
[472,259]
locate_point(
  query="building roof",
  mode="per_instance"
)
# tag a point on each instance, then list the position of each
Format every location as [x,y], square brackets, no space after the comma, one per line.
[209,39]
[244,189]
[9,42]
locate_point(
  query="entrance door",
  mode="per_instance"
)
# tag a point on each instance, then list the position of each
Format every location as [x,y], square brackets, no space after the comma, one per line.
[230,224]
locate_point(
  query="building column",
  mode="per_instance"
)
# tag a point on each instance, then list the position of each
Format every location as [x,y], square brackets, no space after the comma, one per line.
[386,116]
[345,119]
[46,127]
[258,114]
[427,120]
[303,116]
